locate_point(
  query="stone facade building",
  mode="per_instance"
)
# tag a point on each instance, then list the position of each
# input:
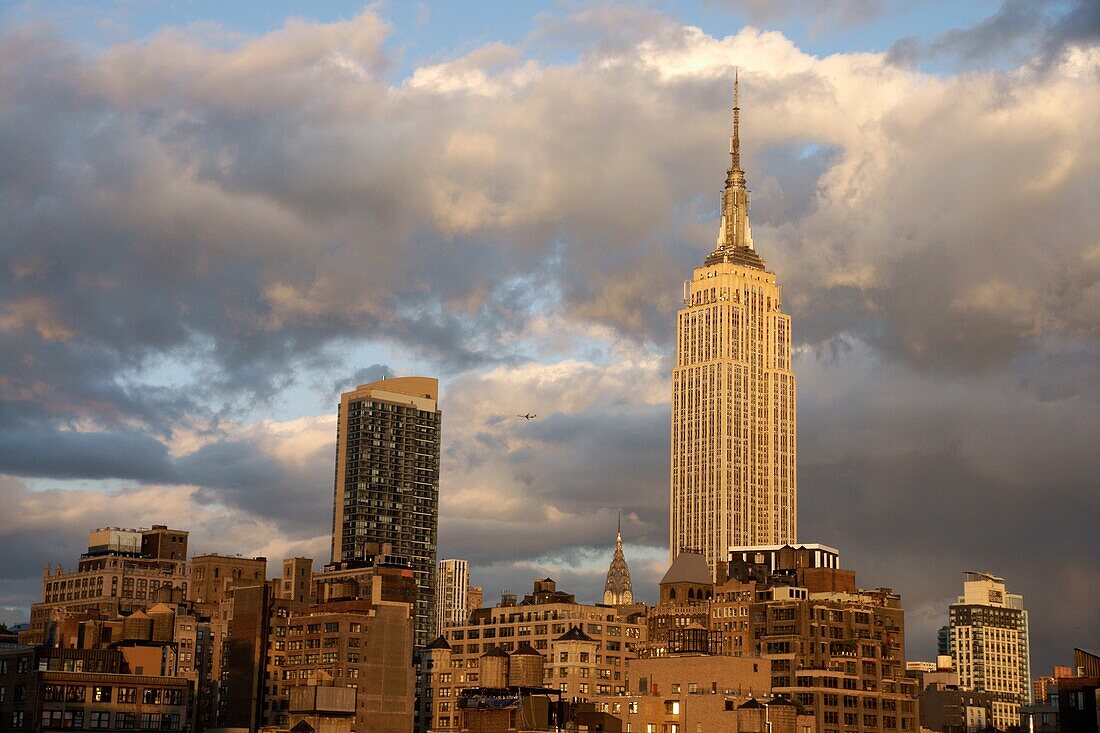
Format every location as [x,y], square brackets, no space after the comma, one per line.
[124,570]
[213,576]
[733,475]
[833,649]
[540,620]
[582,651]
[51,688]
[704,692]
[296,582]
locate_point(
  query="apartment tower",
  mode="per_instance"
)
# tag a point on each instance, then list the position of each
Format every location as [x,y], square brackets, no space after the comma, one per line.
[452,593]
[387,481]
[733,395]
[989,645]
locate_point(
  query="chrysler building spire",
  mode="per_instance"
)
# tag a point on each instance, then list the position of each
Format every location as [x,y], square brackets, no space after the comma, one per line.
[617,591]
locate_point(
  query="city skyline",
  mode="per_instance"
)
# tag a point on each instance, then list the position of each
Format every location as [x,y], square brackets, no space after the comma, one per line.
[191,279]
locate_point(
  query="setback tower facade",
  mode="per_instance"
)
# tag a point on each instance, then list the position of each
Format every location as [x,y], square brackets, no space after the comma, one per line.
[733,481]
[387,481]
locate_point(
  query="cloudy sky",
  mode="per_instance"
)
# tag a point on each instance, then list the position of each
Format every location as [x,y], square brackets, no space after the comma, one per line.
[214,219]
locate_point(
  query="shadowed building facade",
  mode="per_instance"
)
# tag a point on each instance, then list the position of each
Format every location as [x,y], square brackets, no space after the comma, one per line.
[733,478]
[387,481]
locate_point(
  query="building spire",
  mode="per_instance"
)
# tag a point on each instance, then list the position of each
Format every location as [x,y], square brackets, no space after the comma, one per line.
[734,243]
[735,139]
[617,590]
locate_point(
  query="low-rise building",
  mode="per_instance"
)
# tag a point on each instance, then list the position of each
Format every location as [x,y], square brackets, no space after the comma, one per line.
[540,620]
[214,576]
[364,645]
[834,649]
[1079,696]
[949,709]
[124,570]
[697,691]
[50,688]
[296,582]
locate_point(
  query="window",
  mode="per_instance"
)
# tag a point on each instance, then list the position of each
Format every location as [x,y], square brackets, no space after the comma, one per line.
[127,695]
[99,719]
[150,721]
[17,719]
[101,694]
[73,719]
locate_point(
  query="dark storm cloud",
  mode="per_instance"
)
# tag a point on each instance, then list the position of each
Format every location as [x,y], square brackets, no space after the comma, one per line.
[26,451]
[917,479]
[241,474]
[614,452]
[364,375]
[1039,30]
[838,13]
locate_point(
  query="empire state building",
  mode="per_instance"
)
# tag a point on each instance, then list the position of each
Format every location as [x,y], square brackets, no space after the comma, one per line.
[733,395]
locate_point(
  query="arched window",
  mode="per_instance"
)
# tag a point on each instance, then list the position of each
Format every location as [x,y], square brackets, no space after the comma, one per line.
[672,594]
[691,594]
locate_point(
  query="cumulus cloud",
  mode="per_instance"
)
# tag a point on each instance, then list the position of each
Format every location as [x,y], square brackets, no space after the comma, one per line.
[194,227]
